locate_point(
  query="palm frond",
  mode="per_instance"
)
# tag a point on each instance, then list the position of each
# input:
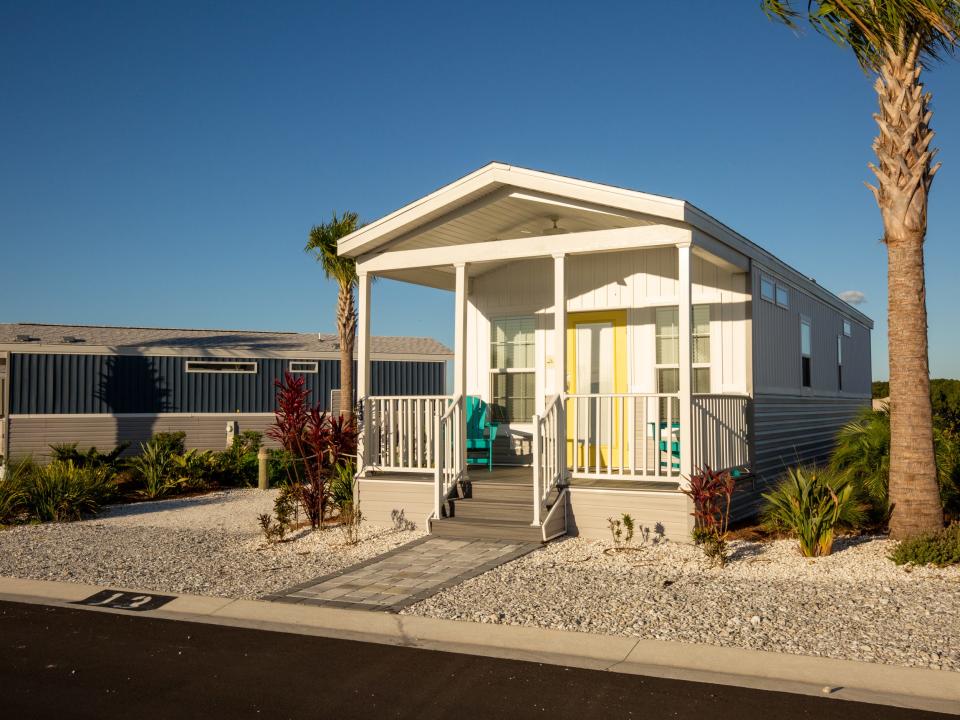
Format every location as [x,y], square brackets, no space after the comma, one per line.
[322,242]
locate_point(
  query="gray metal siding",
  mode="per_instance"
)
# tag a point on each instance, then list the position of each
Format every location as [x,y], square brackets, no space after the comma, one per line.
[776,346]
[380,498]
[34,435]
[589,511]
[42,383]
[797,430]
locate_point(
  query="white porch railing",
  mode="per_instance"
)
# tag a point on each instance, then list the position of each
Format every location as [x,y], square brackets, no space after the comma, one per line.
[549,454]
[403,432]
[721,431]
[450,459]
[623,435]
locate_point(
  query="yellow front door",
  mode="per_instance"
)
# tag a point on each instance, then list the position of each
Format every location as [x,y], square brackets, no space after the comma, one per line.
[596,366]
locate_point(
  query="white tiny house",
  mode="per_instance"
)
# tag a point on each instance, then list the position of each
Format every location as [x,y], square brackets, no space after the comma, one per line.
[618,341]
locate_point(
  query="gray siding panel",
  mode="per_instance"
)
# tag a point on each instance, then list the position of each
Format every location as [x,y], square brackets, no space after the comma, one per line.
[797,430]
[42,383]
[776,346]
[589,509]
[34,435]
[380,498]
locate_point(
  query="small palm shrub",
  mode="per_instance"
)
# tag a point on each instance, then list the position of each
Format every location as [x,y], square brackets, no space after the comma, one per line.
[62,490]
[936,548]
[812,504]
[91,457]
[862,454]
[11,490]
[341,485]
[154,469]
[238,464]
[195,469]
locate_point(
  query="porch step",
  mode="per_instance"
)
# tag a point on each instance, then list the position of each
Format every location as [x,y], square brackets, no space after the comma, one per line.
[476,527]
[491,509]
[500,492]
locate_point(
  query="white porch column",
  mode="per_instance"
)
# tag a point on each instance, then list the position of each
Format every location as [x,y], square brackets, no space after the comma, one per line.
[559,324]
[460,357]
[686,372]
[363,365]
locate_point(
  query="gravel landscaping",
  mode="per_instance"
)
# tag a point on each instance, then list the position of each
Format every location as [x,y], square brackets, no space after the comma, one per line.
[854,604]
[205,545]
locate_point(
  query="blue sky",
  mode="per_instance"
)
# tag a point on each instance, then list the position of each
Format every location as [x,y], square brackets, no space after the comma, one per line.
[162,163]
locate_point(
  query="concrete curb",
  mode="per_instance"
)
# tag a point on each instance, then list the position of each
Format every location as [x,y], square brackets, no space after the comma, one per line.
[917,688]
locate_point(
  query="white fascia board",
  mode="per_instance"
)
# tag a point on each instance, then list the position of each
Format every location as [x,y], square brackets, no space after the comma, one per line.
[709,225]
[591,241]
[492,177]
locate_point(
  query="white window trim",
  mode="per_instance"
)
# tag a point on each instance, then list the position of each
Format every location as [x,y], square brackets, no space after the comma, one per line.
[314,365]
[252,367]
[847,328]
[773,283]
[657,367]
[494,371]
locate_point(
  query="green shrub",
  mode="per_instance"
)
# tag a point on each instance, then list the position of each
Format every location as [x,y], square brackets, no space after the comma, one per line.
[280,467]
[11,490]
[936,548]
[154,469]
[862,454]
[238,464]
[171,443]
[91,457]
[811,503]
[195,469]
[62,490]
[341,485]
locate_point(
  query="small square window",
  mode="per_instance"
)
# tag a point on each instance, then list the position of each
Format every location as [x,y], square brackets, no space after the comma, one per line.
[767,289]
[847,328]
[783,296]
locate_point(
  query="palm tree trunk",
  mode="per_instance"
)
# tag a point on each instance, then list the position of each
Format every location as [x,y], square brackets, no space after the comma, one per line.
[347,332]
[905,175]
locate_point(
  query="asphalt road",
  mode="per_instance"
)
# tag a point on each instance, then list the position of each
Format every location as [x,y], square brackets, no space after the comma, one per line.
[65,663]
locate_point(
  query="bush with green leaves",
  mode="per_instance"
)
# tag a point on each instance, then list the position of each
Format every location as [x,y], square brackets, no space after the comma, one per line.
[238,464]
[811,504]
[195,469]
[938,548]
[155,470]
[91,457]
[862,454]
[58,491]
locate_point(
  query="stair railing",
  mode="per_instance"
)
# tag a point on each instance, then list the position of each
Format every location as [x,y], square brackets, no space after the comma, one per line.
[449,461]
[549,463]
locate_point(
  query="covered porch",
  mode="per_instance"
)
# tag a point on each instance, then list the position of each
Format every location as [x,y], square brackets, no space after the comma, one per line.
[603,415]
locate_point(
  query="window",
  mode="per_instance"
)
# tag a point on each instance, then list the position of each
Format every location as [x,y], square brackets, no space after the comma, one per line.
[839,362]
[783,296]
[701,348]
[775,292]
[512,375]
[221,366]
[847,328]
[805,345]
[767,288]
[668,353]
[303,366]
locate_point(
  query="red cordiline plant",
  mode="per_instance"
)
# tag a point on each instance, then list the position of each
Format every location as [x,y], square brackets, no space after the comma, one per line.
[712,495]
[315,442]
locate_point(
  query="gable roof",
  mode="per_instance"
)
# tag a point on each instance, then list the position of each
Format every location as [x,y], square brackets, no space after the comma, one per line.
[252,342]
[474,187]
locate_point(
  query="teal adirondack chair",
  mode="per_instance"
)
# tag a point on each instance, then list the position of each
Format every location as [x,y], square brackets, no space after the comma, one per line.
[480,433]
[669,443]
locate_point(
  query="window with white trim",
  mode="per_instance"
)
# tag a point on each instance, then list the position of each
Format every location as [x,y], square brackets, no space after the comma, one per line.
[768,289]
[303,366]
[783,296]
[243,367]
[839,362]
[512,369]
[805,352]
[847,328]
[668,352]
[774,291]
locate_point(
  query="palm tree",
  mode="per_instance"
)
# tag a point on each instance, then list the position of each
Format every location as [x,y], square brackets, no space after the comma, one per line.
[895,40]
[323,244]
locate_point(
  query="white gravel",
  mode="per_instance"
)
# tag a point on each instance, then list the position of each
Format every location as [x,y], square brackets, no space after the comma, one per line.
[205,545]
[854,604]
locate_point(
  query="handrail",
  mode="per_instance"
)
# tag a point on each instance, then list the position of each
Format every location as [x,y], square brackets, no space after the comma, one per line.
[449,459]
[549,461]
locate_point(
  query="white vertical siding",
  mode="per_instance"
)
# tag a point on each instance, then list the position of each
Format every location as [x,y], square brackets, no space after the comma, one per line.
[637,281]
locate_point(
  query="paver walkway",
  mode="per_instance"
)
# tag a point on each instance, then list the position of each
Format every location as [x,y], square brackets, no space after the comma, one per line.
[401,577]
